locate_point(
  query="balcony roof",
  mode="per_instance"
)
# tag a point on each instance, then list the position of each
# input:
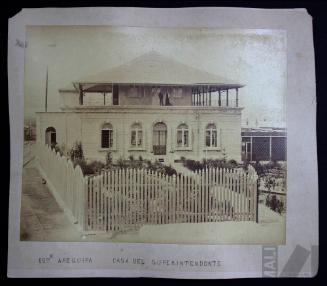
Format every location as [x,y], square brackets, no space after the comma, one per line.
[155,69]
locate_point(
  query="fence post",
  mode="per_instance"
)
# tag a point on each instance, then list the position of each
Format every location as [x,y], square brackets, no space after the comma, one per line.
[257,201]
[85,206]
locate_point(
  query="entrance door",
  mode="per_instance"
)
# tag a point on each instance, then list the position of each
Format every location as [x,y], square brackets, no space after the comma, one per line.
[160,139]
[50,136]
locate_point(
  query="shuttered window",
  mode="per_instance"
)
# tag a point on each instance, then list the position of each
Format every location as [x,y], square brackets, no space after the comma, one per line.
[107,136]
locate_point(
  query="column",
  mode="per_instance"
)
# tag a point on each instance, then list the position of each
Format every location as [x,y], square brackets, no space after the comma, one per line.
[219,99]
[209,96]
[203,100]
[236,97]
[270,148]
[80,94]
[251,148]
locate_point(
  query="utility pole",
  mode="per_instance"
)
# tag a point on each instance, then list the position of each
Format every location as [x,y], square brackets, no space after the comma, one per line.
[46,92]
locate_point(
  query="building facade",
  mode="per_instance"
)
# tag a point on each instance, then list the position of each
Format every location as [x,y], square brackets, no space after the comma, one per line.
[151,107]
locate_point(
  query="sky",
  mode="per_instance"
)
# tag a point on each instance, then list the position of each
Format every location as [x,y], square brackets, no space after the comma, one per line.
[255,58]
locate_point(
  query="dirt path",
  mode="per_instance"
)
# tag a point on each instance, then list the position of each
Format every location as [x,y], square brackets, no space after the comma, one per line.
[41,217]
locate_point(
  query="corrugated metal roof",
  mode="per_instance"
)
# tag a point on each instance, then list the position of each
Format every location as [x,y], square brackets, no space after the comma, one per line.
[154,68]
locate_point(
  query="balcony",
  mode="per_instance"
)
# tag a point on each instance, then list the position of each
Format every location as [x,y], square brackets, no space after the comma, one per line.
[150,97]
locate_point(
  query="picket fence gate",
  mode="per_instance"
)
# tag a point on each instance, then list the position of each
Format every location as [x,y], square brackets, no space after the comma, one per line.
[124,199]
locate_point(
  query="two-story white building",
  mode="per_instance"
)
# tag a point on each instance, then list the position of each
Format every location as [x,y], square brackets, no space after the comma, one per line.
[152,107]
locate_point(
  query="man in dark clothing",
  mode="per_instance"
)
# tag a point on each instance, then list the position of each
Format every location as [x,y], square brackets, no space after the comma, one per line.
[161,98]
[167,99]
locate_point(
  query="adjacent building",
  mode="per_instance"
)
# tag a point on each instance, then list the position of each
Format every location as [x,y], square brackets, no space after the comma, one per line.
[264,144]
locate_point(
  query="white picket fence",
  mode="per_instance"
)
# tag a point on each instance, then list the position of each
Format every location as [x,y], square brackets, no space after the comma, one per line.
[66,181]
[122,199]
[129,198]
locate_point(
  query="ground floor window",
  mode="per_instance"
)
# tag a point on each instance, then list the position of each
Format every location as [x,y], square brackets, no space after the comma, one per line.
[107,136]
[136,135]
[211,135]
[159,136]
[182,136]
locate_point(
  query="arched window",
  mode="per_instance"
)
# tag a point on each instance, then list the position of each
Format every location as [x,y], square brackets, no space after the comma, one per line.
[136,135]
[107,136]
[182,136]
[211,135]
[50,136]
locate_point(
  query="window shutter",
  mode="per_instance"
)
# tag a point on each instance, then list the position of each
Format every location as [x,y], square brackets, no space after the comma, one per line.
[145,140]
[173,139]
[219,139]
[115,136]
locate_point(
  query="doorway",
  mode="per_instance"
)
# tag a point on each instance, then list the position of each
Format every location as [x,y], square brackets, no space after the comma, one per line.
[50,136]
[159,139]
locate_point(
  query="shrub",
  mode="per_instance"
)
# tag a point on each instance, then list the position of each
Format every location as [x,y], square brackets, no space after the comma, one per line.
[170,171]
[81,163]
[77,152]
[54,146]
[108,159]
[232,163]
[209,163]
[63,150]
[159,167]
[224,155]
[91,168]
[275,204]
[77,156]
[95,167]
[268,168]
[246,164]
[270,182]
[121,163]
[148,164]
[192,165]
[259,168]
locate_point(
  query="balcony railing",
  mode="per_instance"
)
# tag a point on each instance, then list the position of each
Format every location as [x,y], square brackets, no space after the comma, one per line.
[159,149]
[219,98]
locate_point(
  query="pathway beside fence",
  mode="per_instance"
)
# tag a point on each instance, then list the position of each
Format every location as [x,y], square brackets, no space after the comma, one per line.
[123,199]
[66,181]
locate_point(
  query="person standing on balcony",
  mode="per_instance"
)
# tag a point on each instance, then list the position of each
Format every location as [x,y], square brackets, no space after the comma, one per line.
[161,98]
[167,99]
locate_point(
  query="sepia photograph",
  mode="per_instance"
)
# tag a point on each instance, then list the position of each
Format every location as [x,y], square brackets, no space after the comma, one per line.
[154,135]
